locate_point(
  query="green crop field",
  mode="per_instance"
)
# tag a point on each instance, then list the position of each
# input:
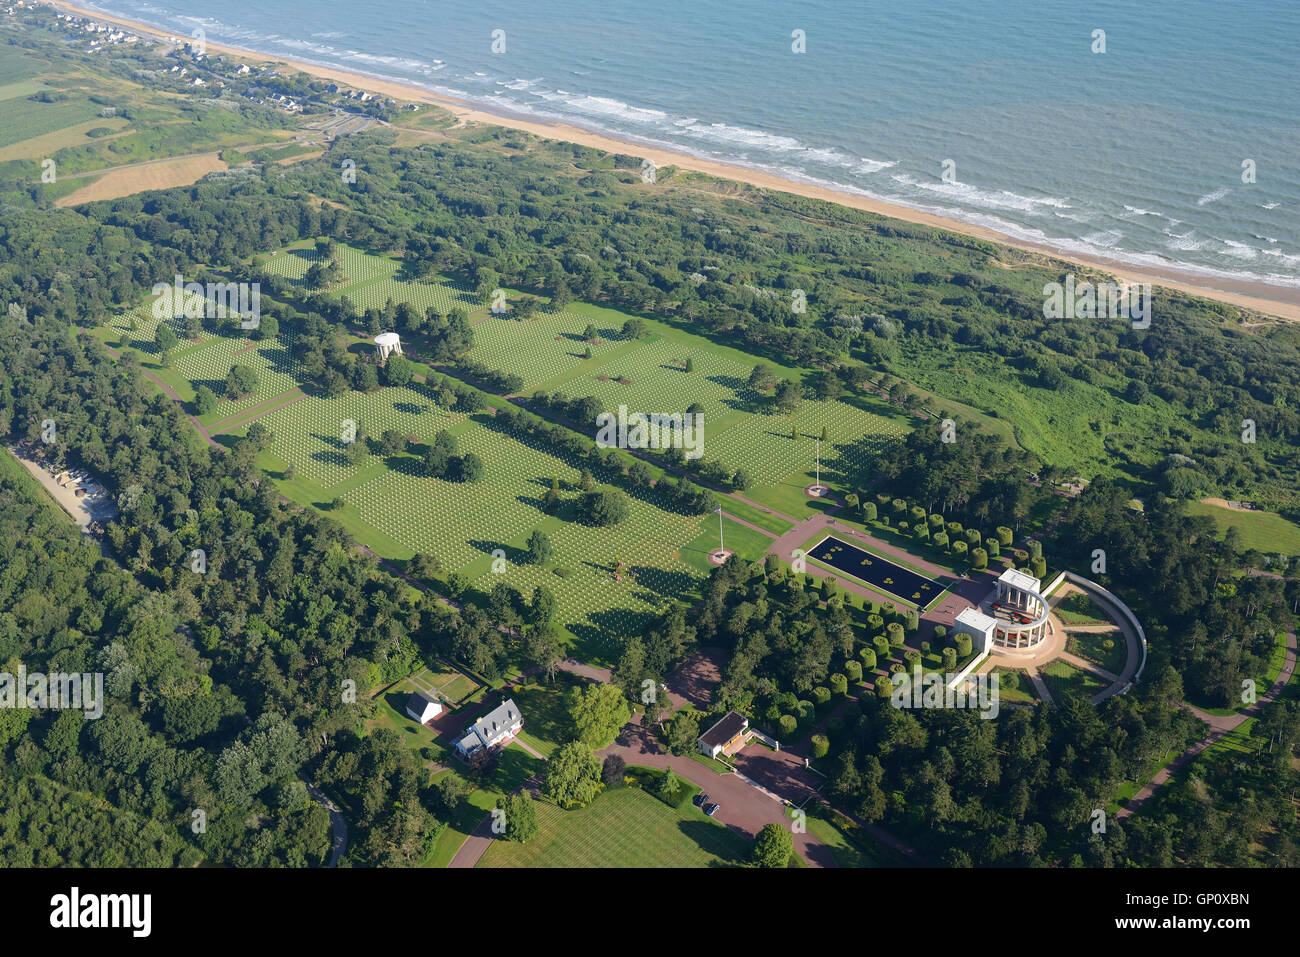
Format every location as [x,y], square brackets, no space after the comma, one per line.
[26,118]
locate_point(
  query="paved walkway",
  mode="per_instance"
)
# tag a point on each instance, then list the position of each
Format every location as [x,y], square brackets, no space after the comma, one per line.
[339,826]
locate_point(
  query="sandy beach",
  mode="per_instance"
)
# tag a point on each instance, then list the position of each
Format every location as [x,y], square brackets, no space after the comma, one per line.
[1272,300]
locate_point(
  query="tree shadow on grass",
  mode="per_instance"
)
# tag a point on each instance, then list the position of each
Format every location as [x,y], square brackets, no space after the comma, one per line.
[727,846]
[515,556]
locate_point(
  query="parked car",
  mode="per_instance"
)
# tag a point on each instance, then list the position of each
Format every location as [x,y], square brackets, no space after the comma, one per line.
[711,809]
[699,799]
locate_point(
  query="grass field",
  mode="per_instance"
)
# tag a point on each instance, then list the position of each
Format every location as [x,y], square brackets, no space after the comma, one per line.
[1067,681]
[1078,609]
[623,828]
[1023,693]
[1092,646]
[1266,531]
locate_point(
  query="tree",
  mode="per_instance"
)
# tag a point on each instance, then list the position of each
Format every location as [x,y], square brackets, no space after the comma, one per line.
[164,338]
[471,468]
[683,733]
[603,508]
[267,328]
[240,381]
[572,775]
[690,364]
[598,711]
[589,333]
[205,400]
[398,371]
[634,328]
[391,442]
[539,547]
[520,817]
[541,607]
[667,786]
[612,771]
[788,396]
[543,650]
[761,379]
[452,791]
[772,847]
[741,481]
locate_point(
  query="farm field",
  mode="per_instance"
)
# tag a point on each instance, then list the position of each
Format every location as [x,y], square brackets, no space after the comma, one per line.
[626,827]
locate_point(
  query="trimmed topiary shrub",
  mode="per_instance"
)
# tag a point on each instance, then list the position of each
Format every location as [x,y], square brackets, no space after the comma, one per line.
[940,539]
[787,724]
[868,657]
[894,630]
[950,658]
[819,746]
[962,642]
[821,694]
[839,685]
[1005,536]
[853,670]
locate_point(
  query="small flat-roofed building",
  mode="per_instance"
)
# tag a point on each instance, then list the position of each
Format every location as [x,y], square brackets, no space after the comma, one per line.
[725,736]
[979,626]
[492,730]
[423,708]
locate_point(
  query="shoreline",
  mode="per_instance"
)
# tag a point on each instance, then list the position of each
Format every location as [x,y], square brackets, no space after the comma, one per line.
[1278,301]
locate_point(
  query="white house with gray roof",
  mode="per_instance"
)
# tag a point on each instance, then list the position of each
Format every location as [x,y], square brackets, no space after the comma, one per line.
[492,730]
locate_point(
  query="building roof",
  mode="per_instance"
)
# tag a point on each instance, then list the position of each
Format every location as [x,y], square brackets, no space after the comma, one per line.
[1020,580]
[976,619]
[498,719]
[418,701]
[387,339]
[726,729]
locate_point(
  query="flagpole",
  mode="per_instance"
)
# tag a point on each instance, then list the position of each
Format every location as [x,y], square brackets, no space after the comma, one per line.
[721,547]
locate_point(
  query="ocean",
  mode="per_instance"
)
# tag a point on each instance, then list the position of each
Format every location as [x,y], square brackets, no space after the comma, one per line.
[999,113]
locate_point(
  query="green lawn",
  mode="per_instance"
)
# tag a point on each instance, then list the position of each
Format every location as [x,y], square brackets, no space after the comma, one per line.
[626,827]
[1266,531]
[1067,681]
[1092,646]
[1078,609]
[547,724]
[1023,693]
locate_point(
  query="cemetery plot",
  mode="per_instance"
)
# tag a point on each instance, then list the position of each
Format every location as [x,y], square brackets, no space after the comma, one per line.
[763,446]
[309,434]
[210,365]
[543,347]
